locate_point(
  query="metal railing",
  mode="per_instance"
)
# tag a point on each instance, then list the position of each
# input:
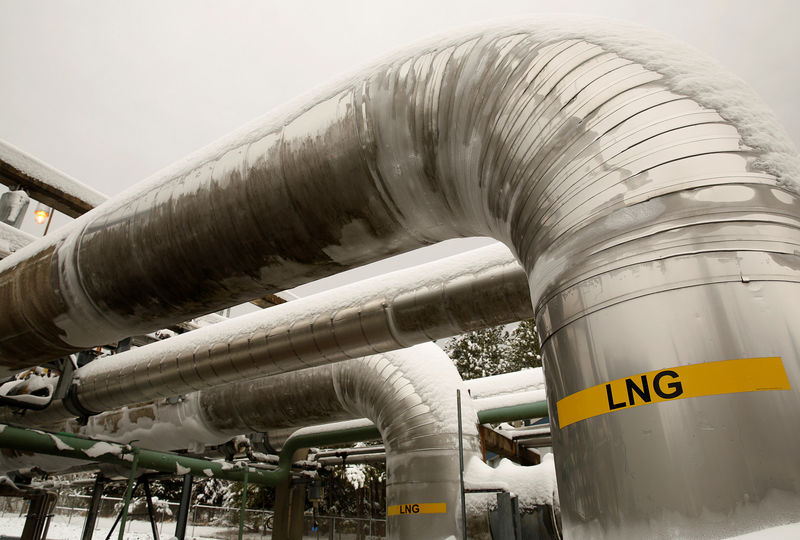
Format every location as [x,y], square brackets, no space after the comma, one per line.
[219,522]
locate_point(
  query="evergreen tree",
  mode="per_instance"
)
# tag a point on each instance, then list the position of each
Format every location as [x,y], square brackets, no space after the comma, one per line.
[480,353]
[524,345]
[493,350]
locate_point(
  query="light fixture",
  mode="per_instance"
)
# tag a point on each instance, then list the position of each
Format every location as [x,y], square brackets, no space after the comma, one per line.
[41,213]
[13,205]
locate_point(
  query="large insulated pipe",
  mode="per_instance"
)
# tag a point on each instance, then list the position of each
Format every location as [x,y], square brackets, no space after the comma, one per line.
[282,402]
[649,196]
[482,287]
[410,395]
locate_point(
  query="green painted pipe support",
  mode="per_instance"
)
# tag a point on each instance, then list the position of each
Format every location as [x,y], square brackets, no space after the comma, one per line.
[537,409]
[72,446]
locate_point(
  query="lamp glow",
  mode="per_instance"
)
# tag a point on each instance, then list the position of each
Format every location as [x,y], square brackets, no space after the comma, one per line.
[41,213]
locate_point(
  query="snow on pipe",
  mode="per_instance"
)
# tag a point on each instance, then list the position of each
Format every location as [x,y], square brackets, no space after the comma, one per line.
[410,395]
[627,175]
[464,292]
[277,404]
[45,183]
[13,239]
[490,142]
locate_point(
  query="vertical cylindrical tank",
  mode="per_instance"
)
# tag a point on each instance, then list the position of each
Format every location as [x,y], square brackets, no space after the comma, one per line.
[675,419]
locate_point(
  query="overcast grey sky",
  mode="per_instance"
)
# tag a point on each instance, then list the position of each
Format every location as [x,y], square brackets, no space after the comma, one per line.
[110,92]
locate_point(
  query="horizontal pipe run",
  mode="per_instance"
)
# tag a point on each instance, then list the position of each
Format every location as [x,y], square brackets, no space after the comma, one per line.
[45,183]
[479,288]
[514,412]
[71,446]
[12,239]
[650,197]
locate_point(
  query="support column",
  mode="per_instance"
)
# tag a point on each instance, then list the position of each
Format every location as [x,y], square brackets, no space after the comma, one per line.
[183,509]
[94,508]
[39,513]
[285,523]
[297,512]
[150,510]
[280,520]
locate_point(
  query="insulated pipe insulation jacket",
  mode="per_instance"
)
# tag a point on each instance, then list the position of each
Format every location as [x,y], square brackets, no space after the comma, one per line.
[552,137]
[482,287]
[409,394]
[649,196]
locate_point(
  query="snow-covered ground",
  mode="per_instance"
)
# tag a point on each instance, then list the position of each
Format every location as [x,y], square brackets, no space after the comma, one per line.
[62,529]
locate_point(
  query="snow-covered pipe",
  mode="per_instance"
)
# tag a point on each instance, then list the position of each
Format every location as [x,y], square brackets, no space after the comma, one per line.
[485,286]
[45,183]
[12,239]
[649,196]
[526,380]
[410,395]
[286,402]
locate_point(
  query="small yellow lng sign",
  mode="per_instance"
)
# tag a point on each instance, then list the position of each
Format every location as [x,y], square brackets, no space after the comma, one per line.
[417,508]
[708,379]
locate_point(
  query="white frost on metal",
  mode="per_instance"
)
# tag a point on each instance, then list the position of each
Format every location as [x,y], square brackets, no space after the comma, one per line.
[12,239]
[509,400]
[333,426]
[686,70]
[782,532]
[383,286]
[506,383]
[49,175]
[156,426]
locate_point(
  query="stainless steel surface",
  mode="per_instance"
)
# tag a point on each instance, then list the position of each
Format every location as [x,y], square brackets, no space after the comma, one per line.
[413,409]
[650,231]
[408,394]
[483,287]
[509,133]
[707,467]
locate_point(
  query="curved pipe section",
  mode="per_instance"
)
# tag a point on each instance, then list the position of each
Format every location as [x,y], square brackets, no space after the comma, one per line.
[650,200]
[410,395]
[537,136]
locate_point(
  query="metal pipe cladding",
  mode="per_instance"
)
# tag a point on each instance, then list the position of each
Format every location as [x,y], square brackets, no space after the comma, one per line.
[650,200]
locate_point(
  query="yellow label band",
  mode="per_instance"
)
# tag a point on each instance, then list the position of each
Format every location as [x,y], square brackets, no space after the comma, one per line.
[417,508]
[708,379]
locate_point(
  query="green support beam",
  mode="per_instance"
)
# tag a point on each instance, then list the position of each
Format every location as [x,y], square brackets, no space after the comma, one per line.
[73,446]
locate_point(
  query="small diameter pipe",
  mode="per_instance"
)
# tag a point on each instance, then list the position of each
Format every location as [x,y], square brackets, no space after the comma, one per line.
[67,445]
[72,446]
[128,494]
[537,409]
